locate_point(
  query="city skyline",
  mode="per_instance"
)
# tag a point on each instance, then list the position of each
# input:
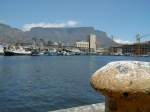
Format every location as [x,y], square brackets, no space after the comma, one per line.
[122,19]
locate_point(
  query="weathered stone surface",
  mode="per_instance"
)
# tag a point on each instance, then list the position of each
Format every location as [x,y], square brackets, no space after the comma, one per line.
[123,76]
[99,107]
[126,85]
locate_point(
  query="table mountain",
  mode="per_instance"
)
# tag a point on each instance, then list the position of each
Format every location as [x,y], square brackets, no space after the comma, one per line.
[66,35]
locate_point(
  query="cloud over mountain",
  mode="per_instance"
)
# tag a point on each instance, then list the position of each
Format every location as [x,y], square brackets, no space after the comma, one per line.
[69,23]
[122,41]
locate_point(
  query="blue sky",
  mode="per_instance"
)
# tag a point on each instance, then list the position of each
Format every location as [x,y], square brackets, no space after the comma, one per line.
[121,18]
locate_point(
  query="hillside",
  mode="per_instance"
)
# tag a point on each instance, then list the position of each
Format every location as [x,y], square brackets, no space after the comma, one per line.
[9,34]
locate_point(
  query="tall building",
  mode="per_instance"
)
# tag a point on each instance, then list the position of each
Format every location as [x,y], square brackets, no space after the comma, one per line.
[92,43]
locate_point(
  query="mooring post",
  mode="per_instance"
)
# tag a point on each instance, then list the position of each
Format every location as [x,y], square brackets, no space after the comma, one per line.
[125,84]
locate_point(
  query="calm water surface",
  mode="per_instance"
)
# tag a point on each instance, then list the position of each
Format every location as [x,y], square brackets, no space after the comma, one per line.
[41,84]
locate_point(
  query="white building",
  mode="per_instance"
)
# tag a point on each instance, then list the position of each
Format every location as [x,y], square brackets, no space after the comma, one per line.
[82,44]
[92,42]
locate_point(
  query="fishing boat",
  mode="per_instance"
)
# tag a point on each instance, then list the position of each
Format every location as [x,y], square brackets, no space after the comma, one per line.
[16,52]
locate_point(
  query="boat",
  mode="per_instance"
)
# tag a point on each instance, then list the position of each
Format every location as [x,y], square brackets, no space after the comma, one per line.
[16,52]
[51,52]
[36,52]
[1,50]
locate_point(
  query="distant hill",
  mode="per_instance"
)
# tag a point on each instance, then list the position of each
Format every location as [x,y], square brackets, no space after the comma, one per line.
[9,34]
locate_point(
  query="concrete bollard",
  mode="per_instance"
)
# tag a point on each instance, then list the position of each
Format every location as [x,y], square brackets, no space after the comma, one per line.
[125,84]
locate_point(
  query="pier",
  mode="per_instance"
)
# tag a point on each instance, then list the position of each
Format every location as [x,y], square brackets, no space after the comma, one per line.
[99,107]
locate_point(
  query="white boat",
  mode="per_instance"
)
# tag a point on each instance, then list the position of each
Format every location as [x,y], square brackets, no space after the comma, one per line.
[16,52]
[1,50]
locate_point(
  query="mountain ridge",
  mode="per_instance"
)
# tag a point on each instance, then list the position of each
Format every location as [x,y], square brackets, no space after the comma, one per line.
[64,34]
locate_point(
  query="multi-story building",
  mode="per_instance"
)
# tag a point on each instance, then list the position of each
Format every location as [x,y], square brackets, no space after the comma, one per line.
[137,48]
[89,45]
[132,49]
[116,50]
[82,44]
[92,43]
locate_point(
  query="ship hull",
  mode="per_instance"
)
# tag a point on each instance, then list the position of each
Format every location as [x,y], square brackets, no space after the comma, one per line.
[10,53]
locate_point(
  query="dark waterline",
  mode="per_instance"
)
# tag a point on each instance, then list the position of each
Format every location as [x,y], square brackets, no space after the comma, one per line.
[41,84]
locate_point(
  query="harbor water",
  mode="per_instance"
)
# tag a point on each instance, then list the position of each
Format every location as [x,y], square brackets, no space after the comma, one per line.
[45,83]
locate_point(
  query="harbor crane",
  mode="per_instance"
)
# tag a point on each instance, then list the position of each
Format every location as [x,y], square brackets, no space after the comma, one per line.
[112,37]
[138,50]
[139,37]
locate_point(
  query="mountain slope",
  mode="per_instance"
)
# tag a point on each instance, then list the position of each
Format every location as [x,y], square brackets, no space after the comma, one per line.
[8,34]
[70,35]
[73,34]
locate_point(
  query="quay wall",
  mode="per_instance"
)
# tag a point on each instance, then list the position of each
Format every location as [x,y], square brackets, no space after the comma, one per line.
[99,107]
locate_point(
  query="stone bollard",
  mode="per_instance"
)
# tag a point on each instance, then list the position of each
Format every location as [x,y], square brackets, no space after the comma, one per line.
[125,84]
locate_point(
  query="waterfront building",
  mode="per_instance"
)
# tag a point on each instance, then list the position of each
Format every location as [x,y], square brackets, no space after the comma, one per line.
[92,43]
[82,44]
[135,49]
[116,50]
[41,44]
[89,45]
[102,51]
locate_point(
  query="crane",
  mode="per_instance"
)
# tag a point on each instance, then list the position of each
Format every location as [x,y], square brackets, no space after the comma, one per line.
[138,43]
[112,38]
[138,37]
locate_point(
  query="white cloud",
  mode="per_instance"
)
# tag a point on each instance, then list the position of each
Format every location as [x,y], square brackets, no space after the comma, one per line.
[70,23]
[122,41]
